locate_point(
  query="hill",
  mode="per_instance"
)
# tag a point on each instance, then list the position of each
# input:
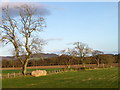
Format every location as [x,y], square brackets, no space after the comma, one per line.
[43,55]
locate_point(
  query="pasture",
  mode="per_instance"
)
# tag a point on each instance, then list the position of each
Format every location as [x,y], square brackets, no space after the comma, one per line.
[97,78]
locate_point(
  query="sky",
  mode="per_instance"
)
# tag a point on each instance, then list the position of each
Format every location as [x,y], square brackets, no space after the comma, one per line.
[93,23]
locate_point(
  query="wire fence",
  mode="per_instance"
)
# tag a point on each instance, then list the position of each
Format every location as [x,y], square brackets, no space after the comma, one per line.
[14,75]
[11,75]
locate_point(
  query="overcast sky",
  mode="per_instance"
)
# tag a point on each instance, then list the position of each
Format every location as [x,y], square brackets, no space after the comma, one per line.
[94,23]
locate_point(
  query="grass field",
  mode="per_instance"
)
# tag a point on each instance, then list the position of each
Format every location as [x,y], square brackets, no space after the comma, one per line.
[99,78]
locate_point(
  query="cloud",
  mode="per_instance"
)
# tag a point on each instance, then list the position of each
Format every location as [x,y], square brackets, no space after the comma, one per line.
[70,43]
[13,11]
[5,0]
[53,51]
[54,39]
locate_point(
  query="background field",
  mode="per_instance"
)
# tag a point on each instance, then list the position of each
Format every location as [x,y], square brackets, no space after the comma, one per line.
[99,78]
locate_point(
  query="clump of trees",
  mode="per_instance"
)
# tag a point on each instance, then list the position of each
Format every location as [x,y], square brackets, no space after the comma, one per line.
[67,56]
[107,59]
[80,50]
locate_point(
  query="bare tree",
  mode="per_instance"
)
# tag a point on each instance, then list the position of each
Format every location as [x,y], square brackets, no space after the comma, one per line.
[20,32]
[82,50]
[96,56]
[71,53]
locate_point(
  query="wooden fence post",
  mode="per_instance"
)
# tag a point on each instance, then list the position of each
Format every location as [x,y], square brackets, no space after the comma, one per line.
[49,72]
[8,75]
[54,71]
[14,74]
[18,74]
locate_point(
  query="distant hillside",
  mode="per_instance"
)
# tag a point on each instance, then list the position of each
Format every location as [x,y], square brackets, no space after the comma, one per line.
[43,55]
[7,57]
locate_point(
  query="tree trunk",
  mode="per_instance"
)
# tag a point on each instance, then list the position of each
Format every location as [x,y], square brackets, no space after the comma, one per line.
[68,66]
[78,62]
[13,66]
[84,65]
[98,64]
[24,69]
[103,65]
[111,66]
[83,62]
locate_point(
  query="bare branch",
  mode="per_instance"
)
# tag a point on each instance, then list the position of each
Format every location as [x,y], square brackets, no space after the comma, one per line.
[26,27]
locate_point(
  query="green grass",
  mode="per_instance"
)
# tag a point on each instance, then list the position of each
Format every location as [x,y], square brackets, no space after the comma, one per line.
[99,78]
[17,71]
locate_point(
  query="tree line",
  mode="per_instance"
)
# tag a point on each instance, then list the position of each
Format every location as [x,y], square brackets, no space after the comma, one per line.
[67,60]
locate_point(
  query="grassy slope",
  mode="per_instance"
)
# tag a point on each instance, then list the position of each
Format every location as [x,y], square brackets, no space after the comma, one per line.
[101,78]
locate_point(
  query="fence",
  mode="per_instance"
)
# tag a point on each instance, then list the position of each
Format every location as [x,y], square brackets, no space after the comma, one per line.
[13,75]
[10,75]
[60,70]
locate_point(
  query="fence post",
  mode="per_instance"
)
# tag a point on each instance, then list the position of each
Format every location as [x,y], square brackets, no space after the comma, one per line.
[8,75]
[14,74]
[19,73]
[59,70]
[49,72]
[54,71]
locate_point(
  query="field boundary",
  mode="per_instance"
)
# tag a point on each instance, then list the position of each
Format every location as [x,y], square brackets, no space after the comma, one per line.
[14,75]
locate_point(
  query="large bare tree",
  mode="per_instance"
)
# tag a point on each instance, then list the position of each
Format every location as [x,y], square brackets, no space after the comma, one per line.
[20,32]
[82,50]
